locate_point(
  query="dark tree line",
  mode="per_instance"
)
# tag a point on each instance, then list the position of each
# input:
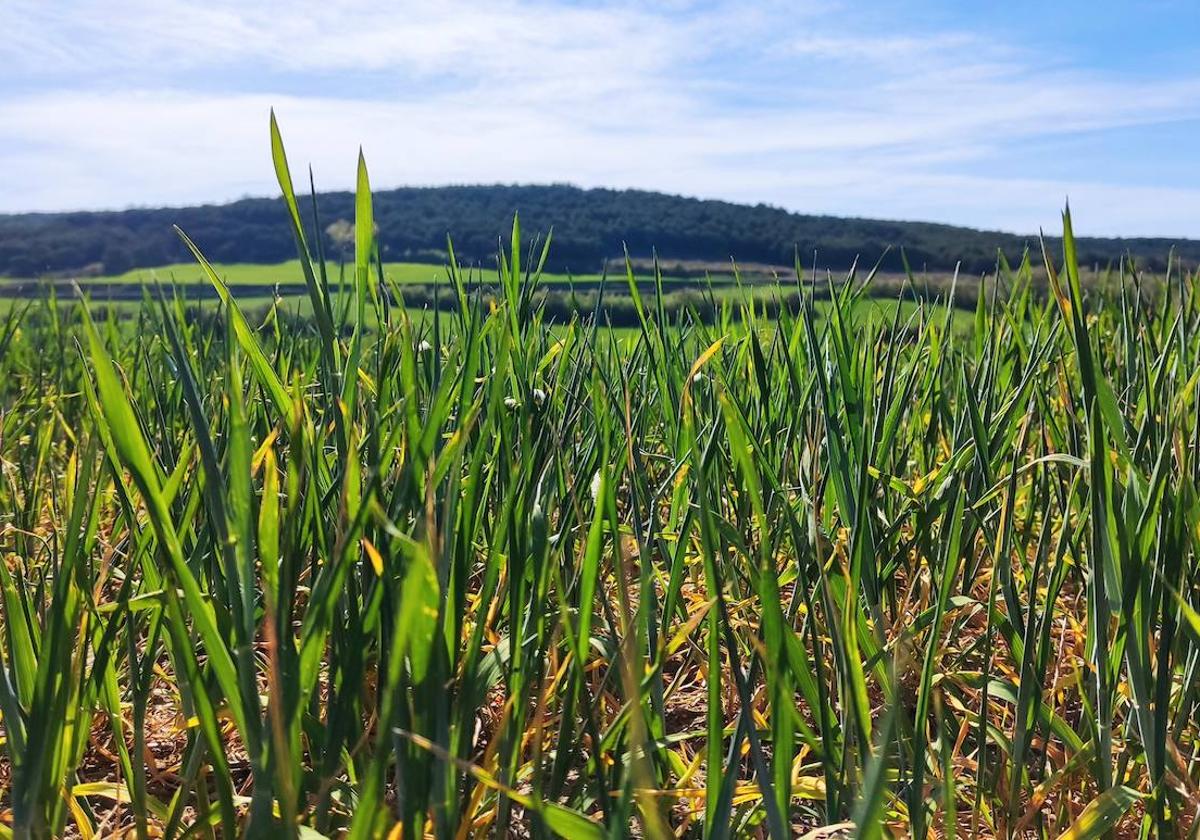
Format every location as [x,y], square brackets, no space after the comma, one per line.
[589,227]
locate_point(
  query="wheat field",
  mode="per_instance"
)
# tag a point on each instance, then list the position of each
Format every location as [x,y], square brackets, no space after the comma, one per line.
[478,572]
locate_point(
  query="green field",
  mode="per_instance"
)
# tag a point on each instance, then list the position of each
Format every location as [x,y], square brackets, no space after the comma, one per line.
[253,274]
[870,310]
[864,568]
[403,273]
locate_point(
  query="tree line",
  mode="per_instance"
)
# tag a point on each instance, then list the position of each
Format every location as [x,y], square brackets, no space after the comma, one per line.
[590,226]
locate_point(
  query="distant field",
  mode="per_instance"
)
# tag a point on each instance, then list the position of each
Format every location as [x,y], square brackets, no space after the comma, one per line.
[876,312]
[253,284]
[237,274]
[403,273]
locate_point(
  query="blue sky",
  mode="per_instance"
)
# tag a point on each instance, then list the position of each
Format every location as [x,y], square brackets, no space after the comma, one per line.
[984,114]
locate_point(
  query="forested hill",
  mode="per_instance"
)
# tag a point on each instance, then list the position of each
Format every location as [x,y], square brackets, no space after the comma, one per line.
[589,227]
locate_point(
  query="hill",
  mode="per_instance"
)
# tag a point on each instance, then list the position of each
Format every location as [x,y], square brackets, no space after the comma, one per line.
[589,226]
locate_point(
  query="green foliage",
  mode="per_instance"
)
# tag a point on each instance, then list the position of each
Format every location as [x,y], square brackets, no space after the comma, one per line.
[590,227]
[740,571]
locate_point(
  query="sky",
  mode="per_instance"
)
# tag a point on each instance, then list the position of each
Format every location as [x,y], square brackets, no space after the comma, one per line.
[984,114]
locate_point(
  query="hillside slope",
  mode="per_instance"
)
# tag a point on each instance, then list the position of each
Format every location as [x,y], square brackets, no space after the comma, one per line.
[589,227]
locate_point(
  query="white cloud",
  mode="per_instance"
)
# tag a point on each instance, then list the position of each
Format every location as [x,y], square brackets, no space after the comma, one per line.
[462,39]
[166,102]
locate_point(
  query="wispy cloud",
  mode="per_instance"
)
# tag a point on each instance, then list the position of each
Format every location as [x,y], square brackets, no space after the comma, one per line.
[796,105]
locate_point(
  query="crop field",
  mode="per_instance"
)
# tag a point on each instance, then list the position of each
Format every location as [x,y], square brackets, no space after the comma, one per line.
[254,274]
[240,274]
[849,570]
